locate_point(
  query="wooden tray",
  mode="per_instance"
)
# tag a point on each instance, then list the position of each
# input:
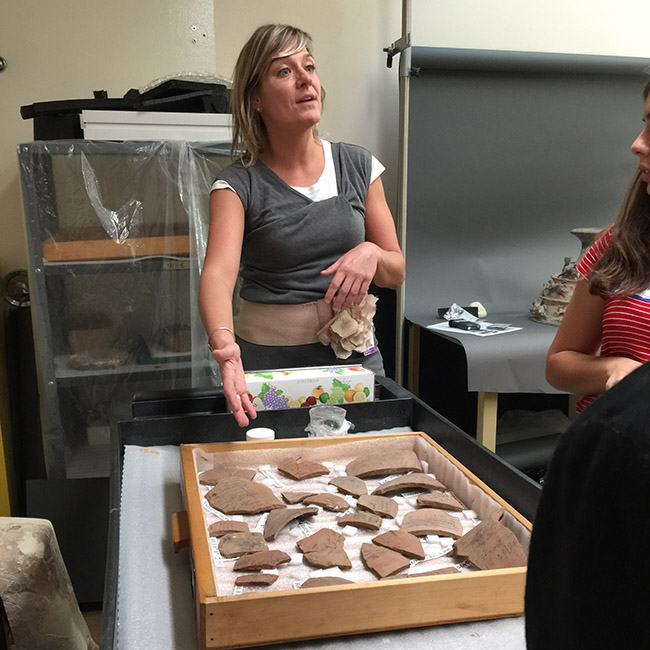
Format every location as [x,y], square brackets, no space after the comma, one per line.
[233,621]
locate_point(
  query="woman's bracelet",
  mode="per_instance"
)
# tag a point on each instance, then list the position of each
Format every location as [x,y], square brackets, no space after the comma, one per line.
[216,329]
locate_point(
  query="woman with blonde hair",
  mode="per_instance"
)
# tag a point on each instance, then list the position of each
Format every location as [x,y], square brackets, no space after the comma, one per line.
[303,221]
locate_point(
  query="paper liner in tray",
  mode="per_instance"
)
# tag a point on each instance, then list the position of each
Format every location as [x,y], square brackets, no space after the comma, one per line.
[480,503]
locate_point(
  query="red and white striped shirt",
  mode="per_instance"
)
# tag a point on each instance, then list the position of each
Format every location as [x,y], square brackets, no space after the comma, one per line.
[626,320]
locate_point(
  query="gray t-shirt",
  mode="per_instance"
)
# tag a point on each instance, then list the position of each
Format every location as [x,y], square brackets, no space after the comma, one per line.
[288,238]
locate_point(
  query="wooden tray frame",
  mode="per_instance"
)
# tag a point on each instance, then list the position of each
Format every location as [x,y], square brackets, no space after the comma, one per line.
[292,615]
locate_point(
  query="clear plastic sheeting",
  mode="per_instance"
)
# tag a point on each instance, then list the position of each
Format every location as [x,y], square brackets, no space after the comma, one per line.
[116,234]
[117,223]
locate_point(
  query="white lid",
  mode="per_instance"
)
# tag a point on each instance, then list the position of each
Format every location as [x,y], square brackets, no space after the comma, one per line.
[260,433]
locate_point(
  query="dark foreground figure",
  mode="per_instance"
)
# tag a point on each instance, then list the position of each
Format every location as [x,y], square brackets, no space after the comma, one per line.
[588,580]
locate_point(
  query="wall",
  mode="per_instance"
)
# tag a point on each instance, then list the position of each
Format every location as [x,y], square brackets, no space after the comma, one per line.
[68,49]
[568,26]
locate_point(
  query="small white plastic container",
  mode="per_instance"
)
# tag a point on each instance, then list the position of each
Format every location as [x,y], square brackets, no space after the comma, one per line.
[260,433]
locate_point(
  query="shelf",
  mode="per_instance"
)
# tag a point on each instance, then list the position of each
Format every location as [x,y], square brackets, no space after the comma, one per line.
[65,373]
[107,249]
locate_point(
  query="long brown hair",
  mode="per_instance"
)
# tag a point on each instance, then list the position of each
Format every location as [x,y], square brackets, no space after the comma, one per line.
[624,268]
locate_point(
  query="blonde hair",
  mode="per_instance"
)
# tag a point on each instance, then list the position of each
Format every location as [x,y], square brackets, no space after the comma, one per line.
[267,43]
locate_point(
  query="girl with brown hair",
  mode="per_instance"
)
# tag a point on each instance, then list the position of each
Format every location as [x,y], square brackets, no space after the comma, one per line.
[605,332]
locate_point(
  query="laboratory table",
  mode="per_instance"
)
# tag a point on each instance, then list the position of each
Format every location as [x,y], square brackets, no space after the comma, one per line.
[148,594]
[512,362]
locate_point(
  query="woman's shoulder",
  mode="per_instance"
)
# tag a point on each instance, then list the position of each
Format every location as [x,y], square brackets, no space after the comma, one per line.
[351,150]
[353,159]
[234,171]
[595,252]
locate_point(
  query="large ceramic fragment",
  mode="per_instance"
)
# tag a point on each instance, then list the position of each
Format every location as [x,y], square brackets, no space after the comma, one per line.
[366,520]
[213,476]
[414,481]
[221,528]
[236,544]
[491,545]
[324,581]
[332,502]
[278,519]
[325,549]
[350,485]
[234,496]
[382,561]
[261,560]
[441,501]
[262,579]
[401,542]
[383,464]
[300,468]
[431,521]
[382,506]
[295,497]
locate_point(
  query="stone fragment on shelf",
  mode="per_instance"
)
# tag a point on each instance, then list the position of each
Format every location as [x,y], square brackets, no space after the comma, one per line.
[324,581]
[261,560]
[325,549]
[431,521]
[366,520]
[352,485]
[237,544]
[383,464]
[382,561]
[300,468]
[235,495]
[491,545]
[441,501]
[262,579]
[213,476]
[332,502]
[382,506]
[401,542]
[413,481]
[221,528]
[292,497]
[278,519]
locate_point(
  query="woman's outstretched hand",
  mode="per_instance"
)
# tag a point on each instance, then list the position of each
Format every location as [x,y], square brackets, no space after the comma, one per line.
[234,383]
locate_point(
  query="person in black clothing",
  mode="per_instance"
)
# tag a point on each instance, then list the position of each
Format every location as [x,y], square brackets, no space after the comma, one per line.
[588,583]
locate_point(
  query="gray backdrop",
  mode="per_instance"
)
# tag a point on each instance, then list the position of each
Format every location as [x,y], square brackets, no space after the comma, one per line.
[508,151]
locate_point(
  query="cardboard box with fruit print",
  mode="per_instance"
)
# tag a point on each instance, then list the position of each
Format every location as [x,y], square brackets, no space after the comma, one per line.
[298,387]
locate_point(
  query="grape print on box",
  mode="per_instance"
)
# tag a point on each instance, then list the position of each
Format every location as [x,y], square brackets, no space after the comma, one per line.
[307,387]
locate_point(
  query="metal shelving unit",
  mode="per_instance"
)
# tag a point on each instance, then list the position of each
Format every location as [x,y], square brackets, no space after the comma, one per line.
[116,234]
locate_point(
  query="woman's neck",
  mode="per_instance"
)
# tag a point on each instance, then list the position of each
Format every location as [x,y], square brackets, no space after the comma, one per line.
[297,161]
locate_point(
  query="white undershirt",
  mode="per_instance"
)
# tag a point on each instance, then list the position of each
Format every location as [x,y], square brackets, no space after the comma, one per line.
[325,187]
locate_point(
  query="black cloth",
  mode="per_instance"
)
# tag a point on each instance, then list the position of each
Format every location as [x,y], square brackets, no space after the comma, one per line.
[588,583]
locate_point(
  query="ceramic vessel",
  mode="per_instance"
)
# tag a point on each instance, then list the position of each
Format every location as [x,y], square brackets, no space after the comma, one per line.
[556,293]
